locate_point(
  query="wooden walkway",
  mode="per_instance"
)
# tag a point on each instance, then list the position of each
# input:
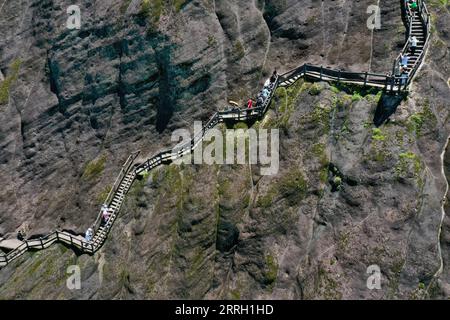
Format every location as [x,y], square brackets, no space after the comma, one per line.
[417,24]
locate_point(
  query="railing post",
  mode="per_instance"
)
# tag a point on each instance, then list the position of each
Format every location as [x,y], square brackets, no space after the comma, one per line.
[339,75]
[42,243]
[365,79]
[321,72]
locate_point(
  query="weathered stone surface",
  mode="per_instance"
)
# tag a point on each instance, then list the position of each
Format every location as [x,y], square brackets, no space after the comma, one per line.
[84,99]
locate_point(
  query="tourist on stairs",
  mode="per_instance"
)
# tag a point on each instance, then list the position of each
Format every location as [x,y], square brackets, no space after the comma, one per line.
[89,234]
[105,213]
[249,106]
[249,103]
[413,5]
[259,100]
[413,44]
[265,93]
[273,78]
[404,78]
[21,235]
[404,60]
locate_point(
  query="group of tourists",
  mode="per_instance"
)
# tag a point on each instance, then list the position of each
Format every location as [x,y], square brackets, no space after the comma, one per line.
[106,215]
[265,92]
[402,68]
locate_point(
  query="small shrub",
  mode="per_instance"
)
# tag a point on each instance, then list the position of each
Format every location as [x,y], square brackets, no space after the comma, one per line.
[272,270]
[103,194]
[5,85]
[377,135]
[240,125]
[178,4]
[356,97]
[212,41]
[94,168]
[334,89]
[315,89]
[405,159]
[321,116]
[145,8]
[239,50]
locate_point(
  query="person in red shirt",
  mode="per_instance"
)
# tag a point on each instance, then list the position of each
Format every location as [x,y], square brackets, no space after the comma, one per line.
[249,106]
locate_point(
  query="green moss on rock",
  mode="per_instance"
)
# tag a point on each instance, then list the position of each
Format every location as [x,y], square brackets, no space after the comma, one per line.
[270,276]
[94,168]
[5,85]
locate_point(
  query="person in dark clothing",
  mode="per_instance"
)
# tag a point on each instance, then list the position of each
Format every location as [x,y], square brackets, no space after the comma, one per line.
[260,101]
[404,78]
[21,235]
[273,78]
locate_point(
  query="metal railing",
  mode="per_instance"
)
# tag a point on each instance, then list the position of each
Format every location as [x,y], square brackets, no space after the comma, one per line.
[328,74]
[389,82]
[240,114]
[77,242]
[123,172]
[45,242]
[424,16]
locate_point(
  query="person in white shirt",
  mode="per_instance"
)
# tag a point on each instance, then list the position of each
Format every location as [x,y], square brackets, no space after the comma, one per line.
[89,234]
[413,44]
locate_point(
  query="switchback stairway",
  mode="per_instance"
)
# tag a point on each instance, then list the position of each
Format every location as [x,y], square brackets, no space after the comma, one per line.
[417,24]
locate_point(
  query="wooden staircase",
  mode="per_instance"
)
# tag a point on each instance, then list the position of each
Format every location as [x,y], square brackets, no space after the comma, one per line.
[417,25]
[419,31]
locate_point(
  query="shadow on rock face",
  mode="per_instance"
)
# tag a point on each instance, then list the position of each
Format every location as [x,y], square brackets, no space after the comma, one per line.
[227,237]
[386,107]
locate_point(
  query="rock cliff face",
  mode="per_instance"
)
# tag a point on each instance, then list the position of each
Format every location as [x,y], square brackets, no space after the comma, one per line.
[77,102]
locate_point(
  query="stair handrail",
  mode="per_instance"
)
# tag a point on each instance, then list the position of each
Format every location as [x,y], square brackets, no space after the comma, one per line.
[84,246]
[123,172]
[425,20]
